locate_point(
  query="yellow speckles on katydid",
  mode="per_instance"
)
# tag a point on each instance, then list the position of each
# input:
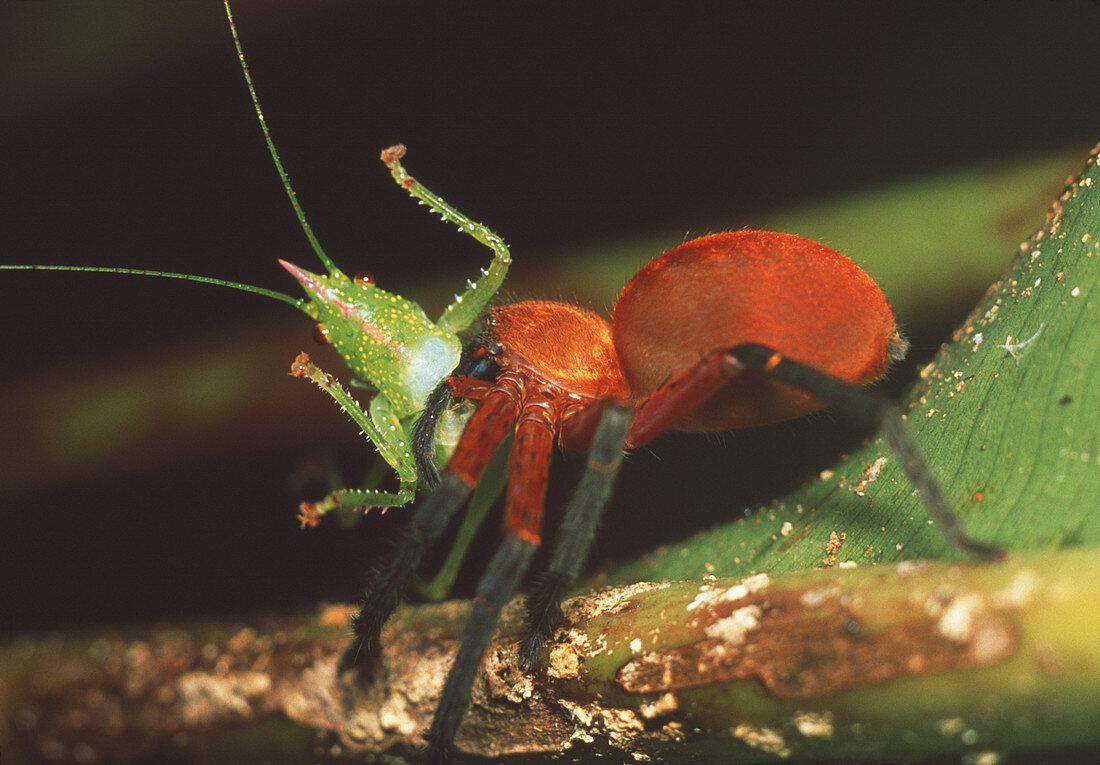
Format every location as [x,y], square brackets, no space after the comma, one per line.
[384,338]
[391,345]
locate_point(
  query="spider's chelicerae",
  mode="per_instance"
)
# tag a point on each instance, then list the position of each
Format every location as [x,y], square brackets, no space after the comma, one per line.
[702,339]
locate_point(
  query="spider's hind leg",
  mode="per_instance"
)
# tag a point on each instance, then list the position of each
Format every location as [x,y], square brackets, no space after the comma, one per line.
[577,531]
[862,405]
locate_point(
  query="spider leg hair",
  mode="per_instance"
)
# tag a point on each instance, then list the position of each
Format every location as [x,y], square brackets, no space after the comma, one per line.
[486,429]
[577,531]
[864,406]
[388,589]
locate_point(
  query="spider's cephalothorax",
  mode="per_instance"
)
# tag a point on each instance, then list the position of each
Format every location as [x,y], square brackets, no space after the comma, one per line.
[701,340]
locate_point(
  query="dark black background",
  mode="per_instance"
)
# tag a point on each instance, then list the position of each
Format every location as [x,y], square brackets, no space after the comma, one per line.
[127,139]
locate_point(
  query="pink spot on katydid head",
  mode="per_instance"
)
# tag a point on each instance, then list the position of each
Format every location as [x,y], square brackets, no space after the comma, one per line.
[322,291]
[319,288]
[305,278]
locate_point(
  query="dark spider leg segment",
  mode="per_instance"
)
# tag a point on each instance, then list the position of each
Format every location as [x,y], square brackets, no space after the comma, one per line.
[388,590]
[865,406]
[487,428]
[577,531]
[497,586]
[529,469]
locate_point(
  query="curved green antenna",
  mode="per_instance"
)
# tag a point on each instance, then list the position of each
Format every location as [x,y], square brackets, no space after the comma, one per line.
[297,303]
[329,265]
[387,341]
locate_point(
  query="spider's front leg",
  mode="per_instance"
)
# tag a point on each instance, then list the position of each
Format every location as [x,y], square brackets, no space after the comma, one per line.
[530,461]
[529,467]
[486,429]
[577,531]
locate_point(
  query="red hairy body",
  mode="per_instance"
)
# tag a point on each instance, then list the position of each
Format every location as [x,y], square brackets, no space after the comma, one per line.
[805,300]
[566,346]
[725,331]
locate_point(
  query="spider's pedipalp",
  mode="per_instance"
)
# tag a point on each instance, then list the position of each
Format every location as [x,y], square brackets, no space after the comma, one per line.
[424,434]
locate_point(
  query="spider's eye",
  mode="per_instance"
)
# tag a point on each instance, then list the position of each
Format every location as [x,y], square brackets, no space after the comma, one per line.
[484,366]
[492,321]
[495,349]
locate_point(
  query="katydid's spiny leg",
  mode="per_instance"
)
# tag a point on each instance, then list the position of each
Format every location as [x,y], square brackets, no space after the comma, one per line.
[467,307]
[393,450]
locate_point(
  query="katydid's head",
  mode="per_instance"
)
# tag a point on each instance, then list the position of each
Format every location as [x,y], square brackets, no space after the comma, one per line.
[387,340]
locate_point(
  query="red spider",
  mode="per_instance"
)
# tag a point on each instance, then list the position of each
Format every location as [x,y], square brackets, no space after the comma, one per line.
[726,331]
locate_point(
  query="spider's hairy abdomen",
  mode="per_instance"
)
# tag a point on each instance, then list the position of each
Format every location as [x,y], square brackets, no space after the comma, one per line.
[565,345]
[799,297]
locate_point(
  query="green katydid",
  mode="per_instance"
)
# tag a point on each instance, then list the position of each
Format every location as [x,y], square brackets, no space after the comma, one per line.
[388,342]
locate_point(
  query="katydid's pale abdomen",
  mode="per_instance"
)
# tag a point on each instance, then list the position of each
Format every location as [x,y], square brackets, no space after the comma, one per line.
[388,342]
